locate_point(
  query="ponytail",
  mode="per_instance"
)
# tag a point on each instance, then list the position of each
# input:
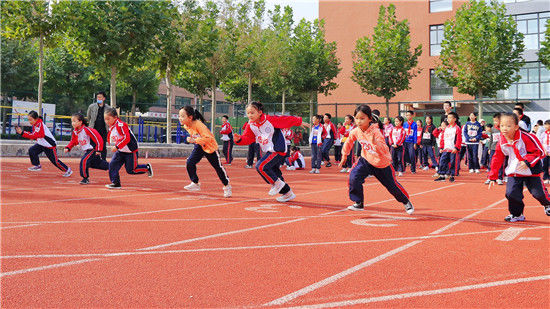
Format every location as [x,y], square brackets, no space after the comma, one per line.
[194,113]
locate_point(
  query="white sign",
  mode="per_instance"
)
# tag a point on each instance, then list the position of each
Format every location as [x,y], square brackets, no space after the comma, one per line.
[24,107]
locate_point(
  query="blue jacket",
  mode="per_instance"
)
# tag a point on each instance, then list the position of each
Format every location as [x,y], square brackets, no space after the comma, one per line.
[472,130]
[411,136]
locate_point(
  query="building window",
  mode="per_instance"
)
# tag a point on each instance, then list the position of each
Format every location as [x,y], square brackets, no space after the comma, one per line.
[436,37]
[207,105]
[441,5]
[533,27]
[222,107]
[533,84]
[162,100]
[182,101]
[439,89]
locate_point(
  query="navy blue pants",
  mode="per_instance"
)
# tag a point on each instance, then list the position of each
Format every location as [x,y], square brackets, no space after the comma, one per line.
[428,153]
[51,153]
[91,159]
[253,150]
[514,192]
[410,155]
[386,176]
[214,158]
[448,163]
[546,167]
[484,155]
[129,160]
[327,144]
[473,158]
[269,168]
[397,158]
[228,151]
[349,160]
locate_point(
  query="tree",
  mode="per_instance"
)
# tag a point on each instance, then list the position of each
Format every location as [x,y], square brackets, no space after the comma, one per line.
[481,50]
[26,20]
[544,52]
[315,62]
[18,67]
[111,34]
[384,64]
[139,84]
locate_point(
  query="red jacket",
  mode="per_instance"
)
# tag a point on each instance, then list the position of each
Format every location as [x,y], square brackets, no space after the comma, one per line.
[87,138]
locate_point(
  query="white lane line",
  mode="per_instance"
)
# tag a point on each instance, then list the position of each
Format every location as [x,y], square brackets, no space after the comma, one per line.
[328,243]
[423,293]
[324,282]
[17,226]
[530,238]
[509,234]
[27,270]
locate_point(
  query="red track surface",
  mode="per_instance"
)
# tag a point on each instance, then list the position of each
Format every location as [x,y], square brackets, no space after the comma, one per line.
[152,244]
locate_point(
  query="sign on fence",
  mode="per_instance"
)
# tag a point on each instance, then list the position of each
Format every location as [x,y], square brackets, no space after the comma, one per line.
[24,107]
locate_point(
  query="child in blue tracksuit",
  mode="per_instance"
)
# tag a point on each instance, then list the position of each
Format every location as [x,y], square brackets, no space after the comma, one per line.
[266,131]
[472,132]
[411,140]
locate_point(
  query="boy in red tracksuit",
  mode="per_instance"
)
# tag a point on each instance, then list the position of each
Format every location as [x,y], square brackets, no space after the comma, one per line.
[227,138]
[450,144]
[525,154]
[396,140]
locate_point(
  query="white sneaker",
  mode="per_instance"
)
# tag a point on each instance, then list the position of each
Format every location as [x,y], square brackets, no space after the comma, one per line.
[476,171]
[409,208]
[248,166]
[286,197]
[322,162]
[488,181]
[506,179]
[512,218]
[277,186]
[500,182]
[312,171]
[343,170]
[426,168]
[227,191]
[400,174]
[470,171]
[436,175]
[547,181]
[291,168]
[349,170]
[35,168]
[317,171]
[193,187]
[437,168]
[68,173]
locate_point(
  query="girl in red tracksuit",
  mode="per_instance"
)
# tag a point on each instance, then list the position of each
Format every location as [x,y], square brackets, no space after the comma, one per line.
[266,131]
[397,138]
[525,154]
[227,138]
[450,143]
[349,124]
[91,143]
[45,142]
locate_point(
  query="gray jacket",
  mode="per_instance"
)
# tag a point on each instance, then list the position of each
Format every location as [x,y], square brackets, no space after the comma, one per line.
[92,115]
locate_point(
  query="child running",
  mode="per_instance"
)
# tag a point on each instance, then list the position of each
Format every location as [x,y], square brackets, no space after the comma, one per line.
[349,124]
[525,154]
[91,143]
[375,160]
[45,142]
[266,131]
[125,150]
[205,146]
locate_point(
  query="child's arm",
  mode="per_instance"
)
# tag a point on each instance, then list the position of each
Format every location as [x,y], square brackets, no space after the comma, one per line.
[402,138]
[348,145]
[496,163]
[72,143]
[123,129]
[38,132]
[535,150]
[226,129]
[458,143]
[95,137]
[281,122]
[205,135]
[247,138]
[479,134]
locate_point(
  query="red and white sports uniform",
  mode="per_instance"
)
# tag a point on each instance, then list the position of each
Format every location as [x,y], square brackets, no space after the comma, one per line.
[90,142]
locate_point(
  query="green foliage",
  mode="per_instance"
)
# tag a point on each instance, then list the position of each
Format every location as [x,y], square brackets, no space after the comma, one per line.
[19,64]
[25,20]
[481,51]
[141,82]
[544,52]
[384,64]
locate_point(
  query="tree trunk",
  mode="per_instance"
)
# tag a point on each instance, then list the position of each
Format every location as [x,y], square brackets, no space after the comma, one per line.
[249,88]
[388,108]
[283,101]
[113,86]
[480,105]
[40,74]
[213,109]
[168,106]
[200,107]
[134,100]
[311,107]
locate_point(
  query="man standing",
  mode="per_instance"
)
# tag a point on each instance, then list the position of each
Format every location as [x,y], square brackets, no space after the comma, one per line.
[97,121]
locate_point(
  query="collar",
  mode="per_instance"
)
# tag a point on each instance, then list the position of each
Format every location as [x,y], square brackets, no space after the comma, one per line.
[517,137]
[80,130]
[262,120]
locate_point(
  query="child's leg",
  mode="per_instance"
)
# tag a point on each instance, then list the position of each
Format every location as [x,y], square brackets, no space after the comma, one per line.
[537,189]
[265,167]
[117,161]
[98,163]
[514,194]
[231,151]
[444,163]
[51,153]
[225,149]
[349,162]
[275,167]
[356,179]
[432,156]
[214,159]
[386,176]
[411,156]
[489,159]
[298,164]
[85,162]
[394,158]
[258,152]
[34,151]
[401,156]
[546,167]
[250,154]
[454,164]
[191,164]
[132,166]
[315,156]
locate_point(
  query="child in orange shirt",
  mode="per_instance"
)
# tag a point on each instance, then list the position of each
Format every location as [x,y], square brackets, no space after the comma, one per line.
[375,160]
[205,146]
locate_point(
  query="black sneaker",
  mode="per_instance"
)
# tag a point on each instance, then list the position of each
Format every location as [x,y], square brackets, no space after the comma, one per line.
[357,206]
[328,165]
[452,179]
[440,178]
[113,186]
[547,210]
[84,181]
[149,170]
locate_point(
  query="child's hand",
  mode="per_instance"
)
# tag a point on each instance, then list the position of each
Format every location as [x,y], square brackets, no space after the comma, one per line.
[18,130]
[66,150]
[114,149]
[454,151]
[305,125]
[342,162]
[98,153]
[236,136]
[394,146]
[415,146]
[491,183]
[473,140]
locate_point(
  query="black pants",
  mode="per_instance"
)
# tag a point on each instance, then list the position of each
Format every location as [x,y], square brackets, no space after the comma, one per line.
[337,153]
[410,155]
[214,158]
[325,150]
[448,163]
[514,193]
[269,168]
[51,153]
[397,158]
[228,151]
[91,159]
[104,151]
[129,160]
[546,167]
[253,150]
[428,153]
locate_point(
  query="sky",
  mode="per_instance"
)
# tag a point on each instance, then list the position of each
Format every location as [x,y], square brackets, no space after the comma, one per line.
[308,9]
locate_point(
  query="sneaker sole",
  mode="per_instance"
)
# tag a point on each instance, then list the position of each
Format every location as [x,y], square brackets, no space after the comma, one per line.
[192,190]
[355,209]
[113,188]
[280,199]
